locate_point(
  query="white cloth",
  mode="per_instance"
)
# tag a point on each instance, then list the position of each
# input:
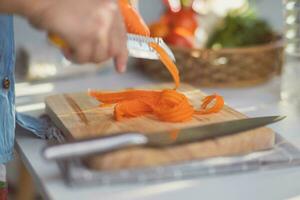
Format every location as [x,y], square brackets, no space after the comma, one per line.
[2,173]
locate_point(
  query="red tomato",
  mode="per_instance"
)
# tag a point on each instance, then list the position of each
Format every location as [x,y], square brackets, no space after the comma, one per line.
[165,19]
[166,2]
[159,29]
[172,16]
[178,40]
[183,31]
[186,18]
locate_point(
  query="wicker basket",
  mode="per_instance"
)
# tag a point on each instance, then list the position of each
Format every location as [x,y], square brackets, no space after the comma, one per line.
[232,67]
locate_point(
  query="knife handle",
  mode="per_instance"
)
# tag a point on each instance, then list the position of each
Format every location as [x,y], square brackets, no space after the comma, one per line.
[92,146]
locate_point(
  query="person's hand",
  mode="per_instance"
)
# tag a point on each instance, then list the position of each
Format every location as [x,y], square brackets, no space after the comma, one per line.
[93,29]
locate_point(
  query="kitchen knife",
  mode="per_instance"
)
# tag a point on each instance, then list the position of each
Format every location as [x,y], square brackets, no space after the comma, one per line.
[137,45]
[102,144]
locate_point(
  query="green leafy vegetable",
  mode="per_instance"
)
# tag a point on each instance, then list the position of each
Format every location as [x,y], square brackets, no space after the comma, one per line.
[240,29]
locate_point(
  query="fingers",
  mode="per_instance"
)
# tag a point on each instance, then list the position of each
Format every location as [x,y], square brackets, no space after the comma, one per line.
[100,48]
[121,56]
[83,53]
[120,45]
[67,53]
[101,36]
[120,61]
[102,40]
[80,55]
[112,43]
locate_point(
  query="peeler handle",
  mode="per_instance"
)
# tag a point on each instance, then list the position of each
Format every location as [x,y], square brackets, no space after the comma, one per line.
[87,147]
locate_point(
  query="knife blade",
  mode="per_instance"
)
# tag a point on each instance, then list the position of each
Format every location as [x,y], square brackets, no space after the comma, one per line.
[138,47]
[104,144]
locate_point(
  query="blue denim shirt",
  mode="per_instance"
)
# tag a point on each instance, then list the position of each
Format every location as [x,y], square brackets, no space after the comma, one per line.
[7,97]
[8,117]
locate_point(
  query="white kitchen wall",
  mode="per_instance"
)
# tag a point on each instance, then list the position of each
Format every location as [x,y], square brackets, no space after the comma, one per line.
[271,10]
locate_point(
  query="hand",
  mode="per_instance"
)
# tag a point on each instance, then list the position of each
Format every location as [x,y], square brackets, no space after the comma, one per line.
[93,29]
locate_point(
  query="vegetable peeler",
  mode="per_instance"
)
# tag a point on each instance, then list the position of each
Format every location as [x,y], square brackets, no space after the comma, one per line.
[137,45]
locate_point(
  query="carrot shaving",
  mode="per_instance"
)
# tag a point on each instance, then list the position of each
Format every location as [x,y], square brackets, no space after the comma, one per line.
[166,60]
[133,22]
[105,105]
[167,105]
[218,104]
[116,97]
[131,108]
[173,107]
[174,134]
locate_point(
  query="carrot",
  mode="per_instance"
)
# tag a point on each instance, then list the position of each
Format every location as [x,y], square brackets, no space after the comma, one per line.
[174,134]
[173,107]
[167,105]
[131,108]
[106,105]
[116,97]
[217,106]
[133,21]
[166,60]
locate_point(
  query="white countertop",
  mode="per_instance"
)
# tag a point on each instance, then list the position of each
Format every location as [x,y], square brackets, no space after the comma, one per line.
[256,101]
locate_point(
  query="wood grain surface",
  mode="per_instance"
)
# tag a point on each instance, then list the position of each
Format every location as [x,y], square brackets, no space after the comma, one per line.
[78,116]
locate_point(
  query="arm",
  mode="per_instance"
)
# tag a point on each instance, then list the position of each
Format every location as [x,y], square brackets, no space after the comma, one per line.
[93,29]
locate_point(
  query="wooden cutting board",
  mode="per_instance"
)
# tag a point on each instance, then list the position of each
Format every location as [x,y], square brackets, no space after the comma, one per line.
[78,116]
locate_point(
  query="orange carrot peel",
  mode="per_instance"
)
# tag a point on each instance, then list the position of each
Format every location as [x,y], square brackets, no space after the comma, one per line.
[216,100]
[167,105]
[174,134]
[166,60]
[133,22]
[117,97]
